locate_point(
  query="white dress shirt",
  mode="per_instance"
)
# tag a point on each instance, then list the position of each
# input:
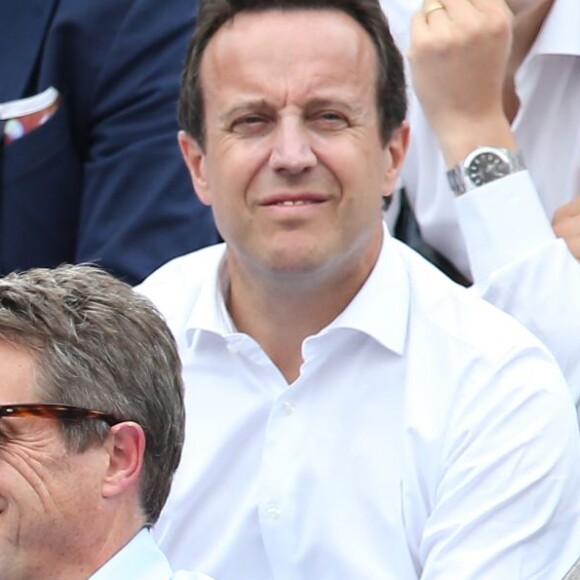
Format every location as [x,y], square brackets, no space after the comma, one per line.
[141,559]
[427,436]
[500,234]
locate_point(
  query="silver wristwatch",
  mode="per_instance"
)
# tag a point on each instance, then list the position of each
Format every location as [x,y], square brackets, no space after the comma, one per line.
[483,165]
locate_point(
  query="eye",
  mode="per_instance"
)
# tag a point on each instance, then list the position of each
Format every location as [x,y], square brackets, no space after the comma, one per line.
[250,125]
[330,120]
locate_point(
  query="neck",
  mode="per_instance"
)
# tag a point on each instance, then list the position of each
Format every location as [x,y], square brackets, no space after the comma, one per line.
[99,547]
[279,312]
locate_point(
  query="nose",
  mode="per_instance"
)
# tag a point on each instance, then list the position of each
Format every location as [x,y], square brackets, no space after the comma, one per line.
[291,150]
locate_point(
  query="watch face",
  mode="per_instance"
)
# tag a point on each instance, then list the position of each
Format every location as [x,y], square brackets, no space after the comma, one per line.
[487,166]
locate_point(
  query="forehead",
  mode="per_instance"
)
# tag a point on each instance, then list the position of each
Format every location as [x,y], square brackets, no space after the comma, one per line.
[296,48]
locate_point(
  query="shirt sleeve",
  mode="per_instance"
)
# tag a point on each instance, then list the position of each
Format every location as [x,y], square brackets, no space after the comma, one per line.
[138,207]
[522,268]
[506,500]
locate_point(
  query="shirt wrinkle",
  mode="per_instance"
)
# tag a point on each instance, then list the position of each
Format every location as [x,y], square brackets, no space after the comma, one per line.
[368,448]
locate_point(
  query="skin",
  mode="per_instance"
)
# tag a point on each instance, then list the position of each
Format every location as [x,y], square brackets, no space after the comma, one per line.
[463,62]
[459,58]
[521,7]
[566,224]
[60,512]
[294,169]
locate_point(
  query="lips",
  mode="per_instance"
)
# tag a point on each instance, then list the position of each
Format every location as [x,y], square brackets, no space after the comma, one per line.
[287,200]
[291,203]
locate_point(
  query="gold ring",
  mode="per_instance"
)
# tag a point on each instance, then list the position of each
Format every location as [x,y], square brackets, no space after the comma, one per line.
[433,8]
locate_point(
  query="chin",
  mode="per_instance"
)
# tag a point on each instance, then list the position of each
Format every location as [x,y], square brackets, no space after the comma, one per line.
[293,255]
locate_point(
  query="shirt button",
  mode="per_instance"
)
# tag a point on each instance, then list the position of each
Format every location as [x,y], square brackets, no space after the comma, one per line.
[273,512]
[289,408]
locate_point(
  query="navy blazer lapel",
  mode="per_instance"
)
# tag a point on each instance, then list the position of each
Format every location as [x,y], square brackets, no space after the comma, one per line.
[23,26]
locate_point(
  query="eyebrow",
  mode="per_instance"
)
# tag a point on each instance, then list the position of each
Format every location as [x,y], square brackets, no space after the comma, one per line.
[245,107]
[316,103]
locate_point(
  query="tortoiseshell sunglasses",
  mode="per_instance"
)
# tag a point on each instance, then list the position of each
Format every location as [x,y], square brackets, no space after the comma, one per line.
[63,412]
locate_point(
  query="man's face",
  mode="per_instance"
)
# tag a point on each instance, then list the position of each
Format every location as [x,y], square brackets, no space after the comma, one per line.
[48,496]
[293,164]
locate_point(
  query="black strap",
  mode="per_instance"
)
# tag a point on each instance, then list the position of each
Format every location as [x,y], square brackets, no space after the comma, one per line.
[407,230]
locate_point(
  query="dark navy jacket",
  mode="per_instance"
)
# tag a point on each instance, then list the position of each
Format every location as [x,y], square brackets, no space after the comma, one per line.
[103,180]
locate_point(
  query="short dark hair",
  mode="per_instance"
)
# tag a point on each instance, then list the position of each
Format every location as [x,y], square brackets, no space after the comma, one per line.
[98,344]
[213,14]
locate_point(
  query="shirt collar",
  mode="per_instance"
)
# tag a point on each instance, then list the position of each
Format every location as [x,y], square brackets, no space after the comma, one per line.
[140,558]
[560,33]
[209,312]
[380,309]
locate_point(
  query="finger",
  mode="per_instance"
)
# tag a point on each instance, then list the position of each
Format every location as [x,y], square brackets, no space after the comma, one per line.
[431,17]
[566,227]
[493,5]
[458,11]
[569,209]
[574,246]
[431,7]
[497,14]
[434,13]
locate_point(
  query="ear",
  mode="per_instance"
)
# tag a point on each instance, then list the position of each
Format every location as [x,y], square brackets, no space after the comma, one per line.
[125,445]
[395,151]
[194,158]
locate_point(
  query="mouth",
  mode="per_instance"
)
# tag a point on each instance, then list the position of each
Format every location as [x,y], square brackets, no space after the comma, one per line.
[294,200]
[297,202]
